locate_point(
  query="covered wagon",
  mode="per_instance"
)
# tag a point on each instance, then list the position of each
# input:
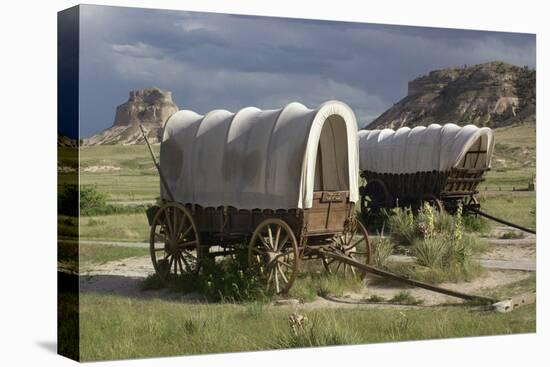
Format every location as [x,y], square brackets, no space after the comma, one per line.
[279,183]
[440,164]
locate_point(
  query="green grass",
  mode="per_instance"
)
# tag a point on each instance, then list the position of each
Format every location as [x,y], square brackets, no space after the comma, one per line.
[523,286]
[121,227]
[514,159]
[118,227]
[100,254]
[517,208]
[70,252]
[114,327]
[310,285]
[137,179]
[405,298]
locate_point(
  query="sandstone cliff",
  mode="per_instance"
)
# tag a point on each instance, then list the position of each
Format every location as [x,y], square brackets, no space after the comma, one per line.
[148,107]
[492,94]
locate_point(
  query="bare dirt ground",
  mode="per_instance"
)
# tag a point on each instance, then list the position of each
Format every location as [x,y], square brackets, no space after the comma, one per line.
[507,261]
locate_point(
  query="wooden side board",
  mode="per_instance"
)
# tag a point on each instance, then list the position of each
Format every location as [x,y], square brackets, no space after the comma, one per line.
[327,215]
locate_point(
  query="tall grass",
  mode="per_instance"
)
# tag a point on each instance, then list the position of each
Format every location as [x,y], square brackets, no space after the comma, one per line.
[443,249]
[402,226]
[229,280]
[114,327]
[382,249]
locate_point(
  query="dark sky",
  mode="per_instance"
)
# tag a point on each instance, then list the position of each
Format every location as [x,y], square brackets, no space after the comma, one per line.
[212,61]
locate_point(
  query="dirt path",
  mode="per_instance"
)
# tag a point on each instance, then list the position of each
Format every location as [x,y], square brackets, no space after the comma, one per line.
[507,261]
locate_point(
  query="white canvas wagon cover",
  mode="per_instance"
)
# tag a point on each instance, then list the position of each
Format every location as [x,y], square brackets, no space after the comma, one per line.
[424,149]
[260,159]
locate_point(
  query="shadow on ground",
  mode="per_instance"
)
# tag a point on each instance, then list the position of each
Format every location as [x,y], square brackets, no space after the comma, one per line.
[127,286]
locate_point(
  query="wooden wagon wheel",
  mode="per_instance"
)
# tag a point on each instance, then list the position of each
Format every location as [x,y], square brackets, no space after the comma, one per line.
[174,241]
[353,242]
[376,197]
[273,254]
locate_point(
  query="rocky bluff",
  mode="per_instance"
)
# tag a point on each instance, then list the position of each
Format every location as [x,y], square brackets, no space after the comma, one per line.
[492,94]
[149,107]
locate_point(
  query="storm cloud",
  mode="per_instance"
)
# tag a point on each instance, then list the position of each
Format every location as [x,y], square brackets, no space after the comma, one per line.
[226,61]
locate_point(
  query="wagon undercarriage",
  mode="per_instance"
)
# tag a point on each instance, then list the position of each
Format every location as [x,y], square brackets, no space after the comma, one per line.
[276,241]
[444,190]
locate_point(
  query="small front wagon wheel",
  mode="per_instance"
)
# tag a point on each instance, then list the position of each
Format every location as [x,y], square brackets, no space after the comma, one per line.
[273,254]
[174,241]
[354,243]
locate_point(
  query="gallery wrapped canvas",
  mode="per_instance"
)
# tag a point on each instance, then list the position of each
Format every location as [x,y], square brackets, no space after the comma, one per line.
[232,183]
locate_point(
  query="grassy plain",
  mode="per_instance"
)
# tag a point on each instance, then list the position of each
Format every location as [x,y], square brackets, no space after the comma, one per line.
[125,172]
[152,328]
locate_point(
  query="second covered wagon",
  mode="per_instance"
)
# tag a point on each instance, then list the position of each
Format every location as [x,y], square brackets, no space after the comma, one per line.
[440,164]
[282,183]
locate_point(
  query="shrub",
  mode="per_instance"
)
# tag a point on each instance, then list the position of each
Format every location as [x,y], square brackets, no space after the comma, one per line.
[316,330]
[430,252]
[376,298]
[382,249]
[91,198]
[402,226]
[512,235]
[92,202]
[442,247]
[229,280]
[473,223]
[405,298]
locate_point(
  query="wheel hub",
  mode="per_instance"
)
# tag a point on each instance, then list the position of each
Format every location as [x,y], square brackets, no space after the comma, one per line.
[272,257]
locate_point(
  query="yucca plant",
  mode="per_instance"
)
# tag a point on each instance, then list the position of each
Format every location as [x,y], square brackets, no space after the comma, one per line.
[382,250]
[430,252]
[402,226]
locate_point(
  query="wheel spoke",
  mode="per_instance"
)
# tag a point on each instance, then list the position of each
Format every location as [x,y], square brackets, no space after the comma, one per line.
[277,238]
[282,273]
[167,220]
[183,244]
[184,234]
[180,264]
[262,240]
[270,237]
[356,243]
[170,263]
[166,231]
[276,280]
[282,243]
[269,278]
[174,221]
[182,222]
[281,262]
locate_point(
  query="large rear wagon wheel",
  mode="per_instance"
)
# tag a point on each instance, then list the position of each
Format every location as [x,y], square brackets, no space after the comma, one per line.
[273,255]
[174,241]
[354,243]
[376,197]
